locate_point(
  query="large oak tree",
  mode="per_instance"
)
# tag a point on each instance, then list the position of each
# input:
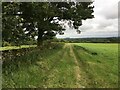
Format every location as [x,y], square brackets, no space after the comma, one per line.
[25,20]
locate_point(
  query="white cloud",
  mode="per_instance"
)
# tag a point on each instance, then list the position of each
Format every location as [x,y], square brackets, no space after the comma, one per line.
[105,23]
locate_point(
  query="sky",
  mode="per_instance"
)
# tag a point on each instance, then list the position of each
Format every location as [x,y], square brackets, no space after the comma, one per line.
[105,23]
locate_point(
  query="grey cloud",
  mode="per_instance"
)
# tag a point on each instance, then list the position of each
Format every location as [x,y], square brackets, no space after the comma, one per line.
[105,23]
[106,8]
[111,13]
[86,27]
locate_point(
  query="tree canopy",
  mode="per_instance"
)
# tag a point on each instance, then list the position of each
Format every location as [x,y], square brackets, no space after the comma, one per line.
[25,20]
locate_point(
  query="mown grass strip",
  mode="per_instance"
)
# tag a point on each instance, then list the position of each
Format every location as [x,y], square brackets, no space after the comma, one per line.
[16,47]
[99,70]
[63,74]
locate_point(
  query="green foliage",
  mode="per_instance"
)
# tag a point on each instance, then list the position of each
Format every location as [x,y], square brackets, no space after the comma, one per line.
[25,20]
[6,44]
[11,29]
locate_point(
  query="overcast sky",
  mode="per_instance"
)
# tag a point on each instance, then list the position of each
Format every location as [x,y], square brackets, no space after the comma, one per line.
[105,23]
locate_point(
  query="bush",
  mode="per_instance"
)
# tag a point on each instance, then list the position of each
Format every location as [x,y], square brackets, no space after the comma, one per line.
[4,43]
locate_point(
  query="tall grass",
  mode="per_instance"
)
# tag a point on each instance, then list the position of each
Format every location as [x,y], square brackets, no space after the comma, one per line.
[29,70]
[54,66]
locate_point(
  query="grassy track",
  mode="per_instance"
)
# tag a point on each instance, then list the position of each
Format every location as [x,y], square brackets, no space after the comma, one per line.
[69,66]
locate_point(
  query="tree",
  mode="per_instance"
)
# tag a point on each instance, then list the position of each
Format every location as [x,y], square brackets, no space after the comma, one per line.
[12,31]
[44,19]
[12,24]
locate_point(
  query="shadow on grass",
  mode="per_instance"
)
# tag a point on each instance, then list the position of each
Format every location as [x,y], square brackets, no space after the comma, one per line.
[86,50]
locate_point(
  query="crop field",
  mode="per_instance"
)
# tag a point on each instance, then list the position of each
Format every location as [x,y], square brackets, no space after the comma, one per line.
[69,65]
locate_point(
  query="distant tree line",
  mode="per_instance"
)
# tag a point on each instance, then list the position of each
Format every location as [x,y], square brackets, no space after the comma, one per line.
[93,40]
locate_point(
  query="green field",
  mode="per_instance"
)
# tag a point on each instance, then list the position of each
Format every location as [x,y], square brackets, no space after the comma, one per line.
[69,65]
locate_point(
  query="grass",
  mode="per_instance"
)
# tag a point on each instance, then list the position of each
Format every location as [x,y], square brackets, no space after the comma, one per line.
[101,69]
[76,65]
[16,47]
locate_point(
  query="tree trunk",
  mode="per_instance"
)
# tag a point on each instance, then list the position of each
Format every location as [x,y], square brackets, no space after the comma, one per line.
[40,38]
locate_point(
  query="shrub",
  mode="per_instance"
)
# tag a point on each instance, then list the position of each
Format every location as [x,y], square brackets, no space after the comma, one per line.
[4,43]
